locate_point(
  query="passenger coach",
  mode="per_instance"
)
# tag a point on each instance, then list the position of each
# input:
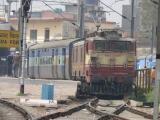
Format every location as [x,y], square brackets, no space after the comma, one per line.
[50,59]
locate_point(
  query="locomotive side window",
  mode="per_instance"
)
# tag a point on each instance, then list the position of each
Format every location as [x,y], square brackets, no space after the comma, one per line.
[100,45]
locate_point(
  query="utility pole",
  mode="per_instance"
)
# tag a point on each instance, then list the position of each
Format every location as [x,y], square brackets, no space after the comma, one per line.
[24,9]
[21,32]
[152,42]
[156,88]
[132,20]
[81,17]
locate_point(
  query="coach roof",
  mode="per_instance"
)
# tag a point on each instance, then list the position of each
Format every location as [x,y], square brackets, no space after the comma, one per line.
[54,43]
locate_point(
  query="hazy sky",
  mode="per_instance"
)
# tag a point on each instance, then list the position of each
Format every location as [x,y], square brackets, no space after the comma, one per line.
[110,16]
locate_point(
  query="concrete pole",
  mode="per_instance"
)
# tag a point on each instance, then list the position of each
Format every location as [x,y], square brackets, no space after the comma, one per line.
[152,42]
[156,88]
[81,27]
[22,32]
[23,56]
[132,20]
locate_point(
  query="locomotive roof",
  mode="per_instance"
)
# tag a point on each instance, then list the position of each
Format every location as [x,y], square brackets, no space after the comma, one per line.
[55,43]
[96,38]
[103,38]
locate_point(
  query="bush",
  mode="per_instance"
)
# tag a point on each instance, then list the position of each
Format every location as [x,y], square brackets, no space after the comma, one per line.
[140,95]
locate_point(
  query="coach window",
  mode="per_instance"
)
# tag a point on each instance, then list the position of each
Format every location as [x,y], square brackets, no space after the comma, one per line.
[33,35]
[56,51]
[64,54]
[77,54]
[73,55]
[38,56]
[46,34]
[53,54]
[81,54]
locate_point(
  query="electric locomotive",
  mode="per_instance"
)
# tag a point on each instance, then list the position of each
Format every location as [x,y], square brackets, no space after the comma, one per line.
[105,64]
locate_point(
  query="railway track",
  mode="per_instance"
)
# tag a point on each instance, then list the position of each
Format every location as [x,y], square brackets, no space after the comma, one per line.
[97,110]
[10,111]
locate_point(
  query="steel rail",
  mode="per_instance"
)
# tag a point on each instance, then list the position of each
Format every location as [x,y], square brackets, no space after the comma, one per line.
[64,113]
[17,108]
[106,116]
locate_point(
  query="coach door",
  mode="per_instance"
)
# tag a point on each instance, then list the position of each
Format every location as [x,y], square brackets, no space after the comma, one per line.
[64,62]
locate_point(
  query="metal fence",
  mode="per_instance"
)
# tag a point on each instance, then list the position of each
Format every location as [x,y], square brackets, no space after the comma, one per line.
[143,80]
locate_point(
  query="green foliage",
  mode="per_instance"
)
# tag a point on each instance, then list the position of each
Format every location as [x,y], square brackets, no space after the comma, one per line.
[150,96]
[142,96]
[21,94]
[138,95]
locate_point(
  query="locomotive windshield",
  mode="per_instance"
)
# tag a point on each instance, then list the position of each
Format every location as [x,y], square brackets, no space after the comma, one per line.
[100,45]
[114,46]
[119,46]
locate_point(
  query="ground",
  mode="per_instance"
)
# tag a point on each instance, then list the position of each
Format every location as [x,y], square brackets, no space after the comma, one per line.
[9,88]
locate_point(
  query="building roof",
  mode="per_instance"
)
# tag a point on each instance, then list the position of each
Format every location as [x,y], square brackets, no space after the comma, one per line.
[48,15]
[51,16]
[58,43]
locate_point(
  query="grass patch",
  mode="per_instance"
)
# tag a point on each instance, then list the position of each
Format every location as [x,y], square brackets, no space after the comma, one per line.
[141,96]
[21,94]
[150,96]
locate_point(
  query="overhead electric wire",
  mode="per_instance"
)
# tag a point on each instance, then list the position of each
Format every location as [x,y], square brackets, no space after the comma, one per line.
[114,10]
[44,2]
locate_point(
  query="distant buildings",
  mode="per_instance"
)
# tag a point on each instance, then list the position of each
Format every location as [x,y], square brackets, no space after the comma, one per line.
[145,25]
[46,25]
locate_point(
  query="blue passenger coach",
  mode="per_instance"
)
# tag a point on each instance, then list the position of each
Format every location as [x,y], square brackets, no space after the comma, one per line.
[50,59]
